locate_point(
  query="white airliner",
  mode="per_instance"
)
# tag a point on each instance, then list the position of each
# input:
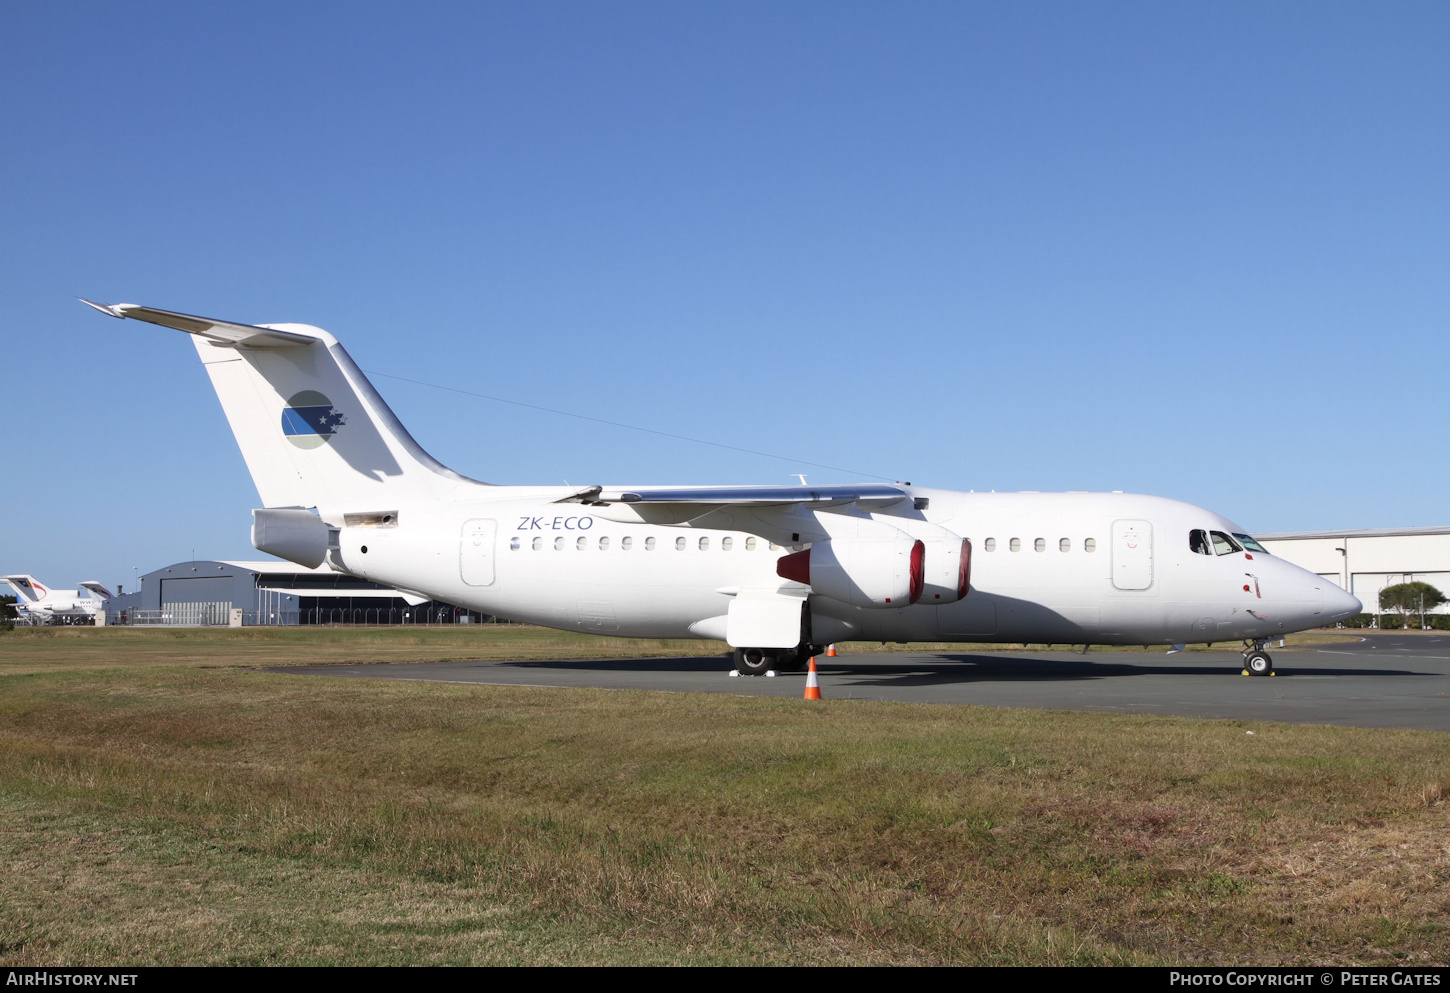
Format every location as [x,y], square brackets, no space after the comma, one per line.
[41,603]
[775,571]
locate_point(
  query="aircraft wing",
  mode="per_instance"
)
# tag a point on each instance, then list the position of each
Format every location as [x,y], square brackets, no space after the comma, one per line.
[871,496]
[782,514]
[225,332]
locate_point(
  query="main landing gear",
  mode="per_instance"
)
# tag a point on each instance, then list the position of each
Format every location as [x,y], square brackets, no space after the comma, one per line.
[759,661]
[1257,661]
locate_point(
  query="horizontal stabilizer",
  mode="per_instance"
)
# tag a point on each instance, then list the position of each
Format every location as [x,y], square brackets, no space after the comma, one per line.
[225,332]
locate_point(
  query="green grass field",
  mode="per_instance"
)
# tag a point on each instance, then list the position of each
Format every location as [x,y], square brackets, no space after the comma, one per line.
[162,801]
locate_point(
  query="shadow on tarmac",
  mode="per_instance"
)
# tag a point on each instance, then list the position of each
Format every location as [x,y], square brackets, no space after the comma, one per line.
[981,668]
[953,669]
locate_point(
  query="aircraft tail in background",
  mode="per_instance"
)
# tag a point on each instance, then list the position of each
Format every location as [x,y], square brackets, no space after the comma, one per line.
[97,591]
[29,588]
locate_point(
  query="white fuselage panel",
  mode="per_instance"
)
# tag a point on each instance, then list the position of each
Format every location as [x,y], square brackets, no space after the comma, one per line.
[1046,567]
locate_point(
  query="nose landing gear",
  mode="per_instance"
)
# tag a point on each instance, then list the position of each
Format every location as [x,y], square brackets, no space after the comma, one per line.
[1257,662]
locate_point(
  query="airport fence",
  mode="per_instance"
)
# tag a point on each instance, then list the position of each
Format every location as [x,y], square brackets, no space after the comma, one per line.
[186,615]
[29,620]
[392,616]
[221,615]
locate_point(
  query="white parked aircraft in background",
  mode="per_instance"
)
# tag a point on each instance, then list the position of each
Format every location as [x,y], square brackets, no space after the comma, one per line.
[772,570]
[38,602]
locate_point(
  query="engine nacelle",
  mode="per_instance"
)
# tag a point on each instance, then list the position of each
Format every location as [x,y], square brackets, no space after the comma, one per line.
[948,569]
[879,572]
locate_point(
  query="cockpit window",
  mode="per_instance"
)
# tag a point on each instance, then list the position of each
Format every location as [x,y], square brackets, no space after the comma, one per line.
[1198,542]
[1247,540]
[1223,544]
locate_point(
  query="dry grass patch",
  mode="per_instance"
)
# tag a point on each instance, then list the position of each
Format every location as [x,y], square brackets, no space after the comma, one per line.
[27,650]
[158,812]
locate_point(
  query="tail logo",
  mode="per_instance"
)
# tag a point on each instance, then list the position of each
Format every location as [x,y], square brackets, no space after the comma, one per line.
[310,420]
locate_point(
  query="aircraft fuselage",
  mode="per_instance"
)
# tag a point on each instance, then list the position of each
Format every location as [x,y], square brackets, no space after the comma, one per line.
[1096,568]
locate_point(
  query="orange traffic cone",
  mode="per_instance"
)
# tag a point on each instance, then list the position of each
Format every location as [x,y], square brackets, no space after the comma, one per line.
[830,651]
[813,685]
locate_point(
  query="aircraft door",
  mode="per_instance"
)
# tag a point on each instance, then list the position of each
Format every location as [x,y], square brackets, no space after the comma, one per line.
[1132,555]
[475,555]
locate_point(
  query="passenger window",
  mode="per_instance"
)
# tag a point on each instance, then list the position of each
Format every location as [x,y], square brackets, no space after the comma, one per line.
[1198,542]
[990,544]
[581,543]
[604,544]
[538,543]
[1040,545]
[649,544]
[1089,544]
[704,544]
[626,543]
[1015,544]
[726,544]
[559,543]
[750,544]
[1064,545]
[1223,544]
[514,544]
[679,544]
[774,547]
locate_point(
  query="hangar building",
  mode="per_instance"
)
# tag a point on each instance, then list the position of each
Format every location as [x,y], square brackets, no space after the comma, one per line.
[209,592]
[1366,560]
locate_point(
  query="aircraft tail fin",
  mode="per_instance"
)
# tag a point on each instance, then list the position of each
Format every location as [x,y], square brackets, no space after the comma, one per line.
[313,431]
[28,587]
[98,591]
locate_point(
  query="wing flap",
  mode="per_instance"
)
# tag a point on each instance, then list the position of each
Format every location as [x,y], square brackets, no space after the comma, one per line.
[872,496]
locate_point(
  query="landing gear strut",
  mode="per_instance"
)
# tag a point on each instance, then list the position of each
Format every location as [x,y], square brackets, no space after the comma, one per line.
[1257,661]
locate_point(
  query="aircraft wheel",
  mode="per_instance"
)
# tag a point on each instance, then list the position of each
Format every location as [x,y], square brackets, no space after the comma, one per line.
[754,661]
[1258,663]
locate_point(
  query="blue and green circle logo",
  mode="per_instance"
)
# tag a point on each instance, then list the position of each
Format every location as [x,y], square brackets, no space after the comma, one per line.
[310,420]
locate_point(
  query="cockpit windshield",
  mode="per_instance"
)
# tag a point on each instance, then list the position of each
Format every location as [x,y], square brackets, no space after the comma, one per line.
[1250,544]
[1223,544]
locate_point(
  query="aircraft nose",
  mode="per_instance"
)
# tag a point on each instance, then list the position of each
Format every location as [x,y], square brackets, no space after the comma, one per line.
[1339,605]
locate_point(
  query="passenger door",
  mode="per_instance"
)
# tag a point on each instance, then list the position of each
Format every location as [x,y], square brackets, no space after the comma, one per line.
[475,555]
[1132,555]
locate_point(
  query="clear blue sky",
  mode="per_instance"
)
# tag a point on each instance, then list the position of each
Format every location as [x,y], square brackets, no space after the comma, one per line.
[1193,249]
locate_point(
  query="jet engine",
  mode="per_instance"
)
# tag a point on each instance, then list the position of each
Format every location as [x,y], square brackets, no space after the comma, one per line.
[876,571]
[948,569]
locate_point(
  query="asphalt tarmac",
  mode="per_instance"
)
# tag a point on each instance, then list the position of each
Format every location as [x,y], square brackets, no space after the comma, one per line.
[1387,680]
